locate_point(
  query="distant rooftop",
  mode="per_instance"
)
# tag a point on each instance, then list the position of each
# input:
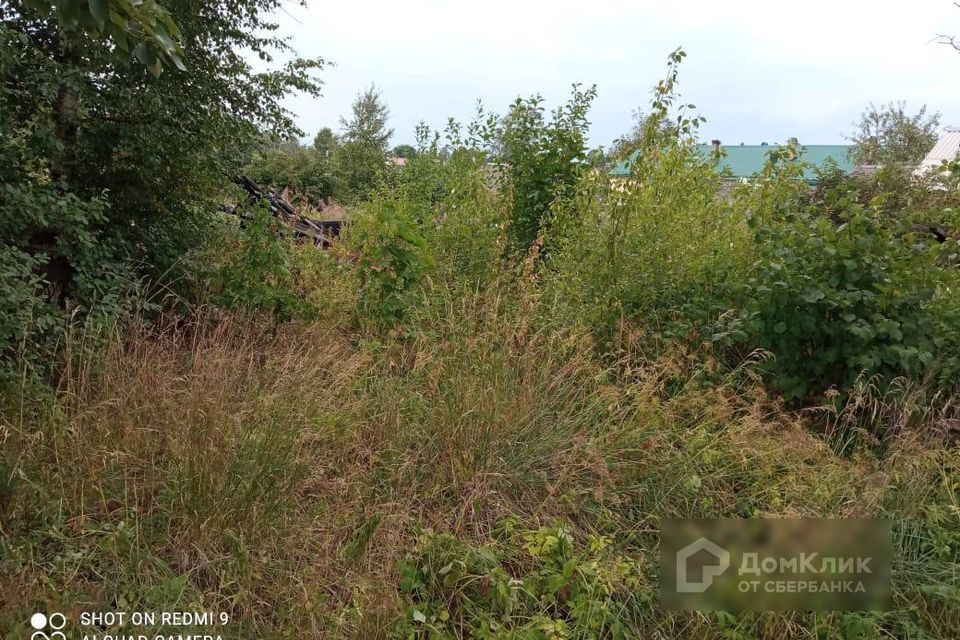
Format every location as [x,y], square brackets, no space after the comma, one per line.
[946,148]
[744,160]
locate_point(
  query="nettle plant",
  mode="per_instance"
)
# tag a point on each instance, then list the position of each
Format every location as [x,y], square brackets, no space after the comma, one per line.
[858,292]
[392,254]
[258,272]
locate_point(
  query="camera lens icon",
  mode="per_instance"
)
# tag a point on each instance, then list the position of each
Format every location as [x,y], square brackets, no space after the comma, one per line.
[54,622]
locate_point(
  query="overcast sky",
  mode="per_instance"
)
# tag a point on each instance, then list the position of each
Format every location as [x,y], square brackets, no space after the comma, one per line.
[758,70]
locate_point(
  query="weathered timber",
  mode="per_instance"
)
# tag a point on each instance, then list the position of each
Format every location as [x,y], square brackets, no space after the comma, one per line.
[320,232]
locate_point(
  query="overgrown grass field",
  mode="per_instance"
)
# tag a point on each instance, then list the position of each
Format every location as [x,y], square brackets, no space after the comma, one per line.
[468,417]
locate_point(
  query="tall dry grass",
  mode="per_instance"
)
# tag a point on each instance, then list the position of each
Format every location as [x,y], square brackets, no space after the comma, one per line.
[279,473]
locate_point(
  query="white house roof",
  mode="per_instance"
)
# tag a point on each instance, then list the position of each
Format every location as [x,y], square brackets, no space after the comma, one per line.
[946,148]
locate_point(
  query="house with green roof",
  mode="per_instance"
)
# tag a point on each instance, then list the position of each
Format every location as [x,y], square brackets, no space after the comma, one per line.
[739,162]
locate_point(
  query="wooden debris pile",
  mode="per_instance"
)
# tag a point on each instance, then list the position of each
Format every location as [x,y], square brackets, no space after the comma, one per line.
[320,232]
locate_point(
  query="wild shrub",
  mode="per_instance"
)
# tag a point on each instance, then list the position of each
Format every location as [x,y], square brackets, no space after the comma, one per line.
[658,247]
[853,292]
[892,188]
[531,584]
[466,217]
[257,270]
[58,268]
[541,160]
[306,171]
[424,180]
[392,254]
[439,215]
[28,320]
[56,264]
[111,168]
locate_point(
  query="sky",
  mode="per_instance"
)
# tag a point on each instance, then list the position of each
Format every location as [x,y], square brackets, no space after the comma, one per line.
[758,70]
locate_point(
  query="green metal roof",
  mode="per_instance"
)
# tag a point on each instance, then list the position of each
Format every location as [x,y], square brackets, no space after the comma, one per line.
[744,160]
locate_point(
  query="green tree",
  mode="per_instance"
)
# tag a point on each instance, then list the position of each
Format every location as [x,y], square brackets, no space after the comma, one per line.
[110,173]
[404,151]
[633,139]
[542,159]
[305,170]
[362,156]
[326,142]
[144,30]
[890,135]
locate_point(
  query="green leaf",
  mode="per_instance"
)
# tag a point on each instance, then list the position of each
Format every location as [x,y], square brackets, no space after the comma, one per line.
[120,39]
[161,35]
[70,13]
[118,19]
[89,23]
[143,53]
[813,296]
[177,61]
[100,9]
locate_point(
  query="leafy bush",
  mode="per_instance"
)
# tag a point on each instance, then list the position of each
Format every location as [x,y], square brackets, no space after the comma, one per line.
[27,319]
[856,292]
[541,160]
[304,170]
[460,213]
[891,187]
[57,263]
[106,185]
[656,248]
[258,272]
[392,254]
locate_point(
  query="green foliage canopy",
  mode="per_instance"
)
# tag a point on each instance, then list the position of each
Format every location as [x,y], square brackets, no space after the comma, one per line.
[326,142]
[362,156]
[890,135]
[145,30]
[111,174]
[404,151]
[306,170]
[542,159]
